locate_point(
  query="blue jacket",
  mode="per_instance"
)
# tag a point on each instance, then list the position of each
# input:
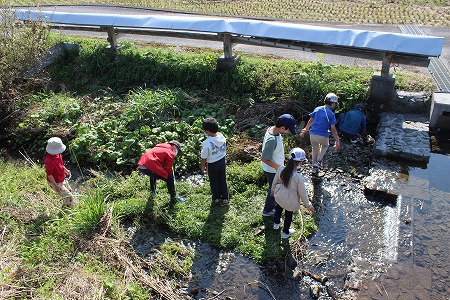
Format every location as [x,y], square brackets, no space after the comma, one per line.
[323,119]
[353,122]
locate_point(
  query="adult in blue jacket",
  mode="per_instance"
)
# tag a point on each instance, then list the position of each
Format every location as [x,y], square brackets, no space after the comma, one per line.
[322,120]
[353,122]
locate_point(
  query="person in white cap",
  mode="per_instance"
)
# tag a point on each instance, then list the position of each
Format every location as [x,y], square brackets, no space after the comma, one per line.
[322,120]
[289,191]
[56,171]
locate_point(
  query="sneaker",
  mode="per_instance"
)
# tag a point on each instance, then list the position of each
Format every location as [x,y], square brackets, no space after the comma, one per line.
[317,164]
[225,202]
[216,201]
[268,213]
[287,235]
[276,226]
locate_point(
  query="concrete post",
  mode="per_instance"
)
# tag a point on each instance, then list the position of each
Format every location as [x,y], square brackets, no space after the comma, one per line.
[382,92]
[382,87]
[440,111]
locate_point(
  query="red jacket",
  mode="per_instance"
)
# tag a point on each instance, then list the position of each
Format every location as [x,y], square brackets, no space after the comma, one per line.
[54,166]
[159,160]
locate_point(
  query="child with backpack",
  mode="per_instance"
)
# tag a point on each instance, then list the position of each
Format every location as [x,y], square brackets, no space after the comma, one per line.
[289,191]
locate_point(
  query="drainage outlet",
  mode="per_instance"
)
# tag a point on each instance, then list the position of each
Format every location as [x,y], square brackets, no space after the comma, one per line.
[380,196]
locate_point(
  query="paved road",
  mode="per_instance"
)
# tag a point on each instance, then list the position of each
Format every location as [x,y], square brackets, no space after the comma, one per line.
[258,50]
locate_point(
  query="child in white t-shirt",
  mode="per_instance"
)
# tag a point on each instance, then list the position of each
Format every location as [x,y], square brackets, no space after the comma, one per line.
[213,160]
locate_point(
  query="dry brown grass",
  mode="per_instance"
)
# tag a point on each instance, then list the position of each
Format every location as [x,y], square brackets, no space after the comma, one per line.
[119,254]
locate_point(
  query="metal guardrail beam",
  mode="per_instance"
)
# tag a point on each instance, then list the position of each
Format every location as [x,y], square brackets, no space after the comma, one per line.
[420,61]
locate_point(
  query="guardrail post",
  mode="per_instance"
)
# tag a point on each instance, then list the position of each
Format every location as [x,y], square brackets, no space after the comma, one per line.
[228,60]
[227,46]
[386,64]
[112,39]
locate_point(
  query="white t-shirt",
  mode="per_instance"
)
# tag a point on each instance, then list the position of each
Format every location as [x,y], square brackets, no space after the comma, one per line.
[214,148]
[275,154]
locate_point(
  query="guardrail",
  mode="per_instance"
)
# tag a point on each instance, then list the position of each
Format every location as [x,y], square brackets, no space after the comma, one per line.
[384,46]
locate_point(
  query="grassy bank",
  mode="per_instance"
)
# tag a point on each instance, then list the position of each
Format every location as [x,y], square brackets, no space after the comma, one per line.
[110,109]
[46,250]
[420,12]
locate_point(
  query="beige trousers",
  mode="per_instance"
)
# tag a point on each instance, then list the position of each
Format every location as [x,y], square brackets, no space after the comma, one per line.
[319,146]
[66,193]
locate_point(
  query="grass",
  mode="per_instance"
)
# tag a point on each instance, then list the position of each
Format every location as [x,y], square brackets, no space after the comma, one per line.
[420,12]
[230,227]
[54,254]
[115,109]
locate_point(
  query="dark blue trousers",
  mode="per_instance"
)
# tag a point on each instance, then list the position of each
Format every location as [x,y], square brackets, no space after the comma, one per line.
[218,179]
[153,176]
[270,200]
[287,218]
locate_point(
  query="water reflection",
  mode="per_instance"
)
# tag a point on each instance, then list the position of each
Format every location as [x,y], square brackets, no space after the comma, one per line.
[390,231]
[421,267]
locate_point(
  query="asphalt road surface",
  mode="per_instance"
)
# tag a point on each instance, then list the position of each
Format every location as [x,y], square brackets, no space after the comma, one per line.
[256,50]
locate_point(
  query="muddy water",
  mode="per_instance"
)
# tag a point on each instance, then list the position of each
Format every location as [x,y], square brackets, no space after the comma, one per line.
[389,244]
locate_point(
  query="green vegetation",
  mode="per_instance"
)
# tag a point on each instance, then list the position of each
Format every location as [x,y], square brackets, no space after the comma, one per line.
[87,242]
[230,227]
[420,12]
[37,240]
[110,117]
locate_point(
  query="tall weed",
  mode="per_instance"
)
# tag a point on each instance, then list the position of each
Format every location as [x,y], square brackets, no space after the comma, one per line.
[21,45]
[86,217]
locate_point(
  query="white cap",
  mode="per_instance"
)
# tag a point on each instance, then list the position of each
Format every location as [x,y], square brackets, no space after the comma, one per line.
[297,154]
[331,97]
[55,146]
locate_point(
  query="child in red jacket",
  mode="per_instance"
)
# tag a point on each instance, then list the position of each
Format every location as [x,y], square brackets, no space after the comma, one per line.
[157,164]
[56,171]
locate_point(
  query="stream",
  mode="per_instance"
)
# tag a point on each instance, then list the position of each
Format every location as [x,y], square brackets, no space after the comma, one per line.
[383,236]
